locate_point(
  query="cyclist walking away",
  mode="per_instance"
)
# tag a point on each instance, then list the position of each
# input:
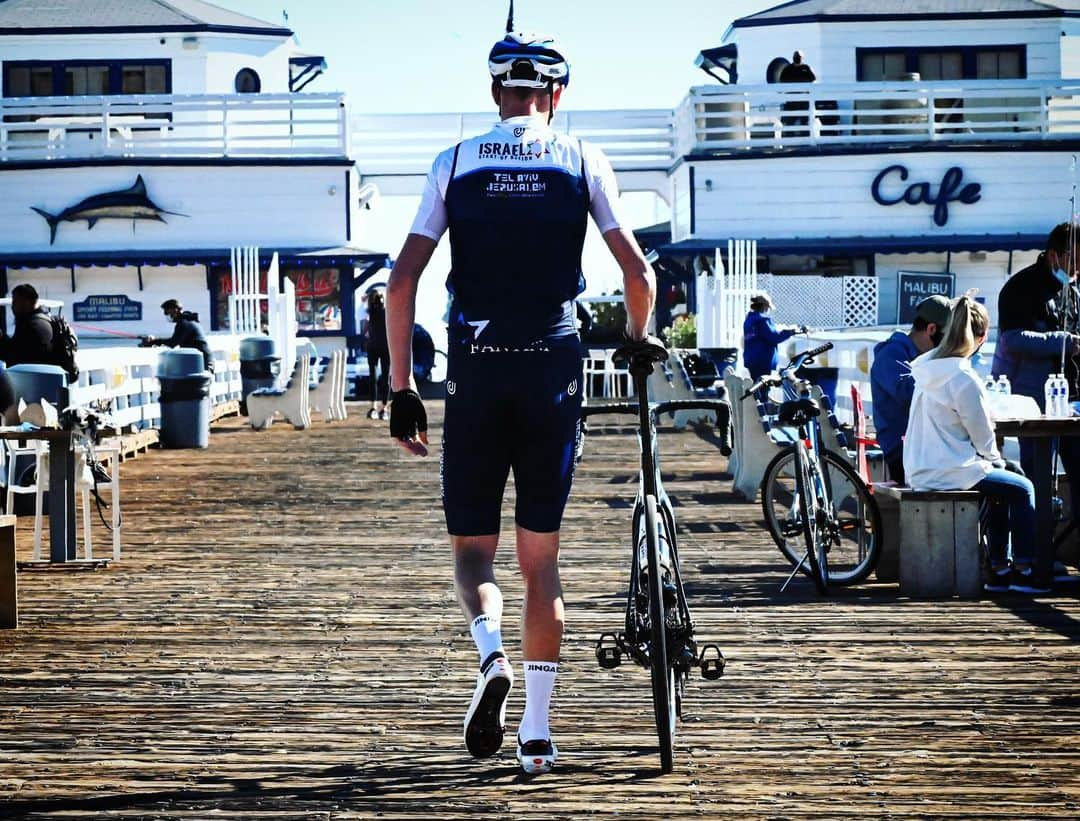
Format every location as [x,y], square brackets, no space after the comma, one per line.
[516,202]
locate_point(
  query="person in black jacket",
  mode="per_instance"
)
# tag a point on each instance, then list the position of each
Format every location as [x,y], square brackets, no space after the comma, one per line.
[378,354]
[187,333]
[797,71]
[32,341]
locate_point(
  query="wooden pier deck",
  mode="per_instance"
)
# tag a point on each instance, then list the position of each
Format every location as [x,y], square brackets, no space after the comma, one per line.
[281,640]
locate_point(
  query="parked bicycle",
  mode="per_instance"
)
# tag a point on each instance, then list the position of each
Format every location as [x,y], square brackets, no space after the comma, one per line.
[658,633]
[819,511]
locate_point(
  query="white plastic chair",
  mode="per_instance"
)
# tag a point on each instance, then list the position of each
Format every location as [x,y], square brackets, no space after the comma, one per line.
[328,397]
[293,402]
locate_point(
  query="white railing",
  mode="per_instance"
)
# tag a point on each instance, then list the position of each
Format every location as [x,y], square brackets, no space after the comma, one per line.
[127,377]
[407,143]
[717,118]
[174,125]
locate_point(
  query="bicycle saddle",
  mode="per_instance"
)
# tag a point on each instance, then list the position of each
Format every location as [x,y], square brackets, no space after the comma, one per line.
[647,351]
[798,411]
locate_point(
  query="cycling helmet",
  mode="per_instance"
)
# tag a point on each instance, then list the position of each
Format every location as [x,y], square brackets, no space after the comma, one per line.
[538,51]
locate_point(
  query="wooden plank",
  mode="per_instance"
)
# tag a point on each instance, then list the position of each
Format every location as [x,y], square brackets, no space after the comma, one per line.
[9,583]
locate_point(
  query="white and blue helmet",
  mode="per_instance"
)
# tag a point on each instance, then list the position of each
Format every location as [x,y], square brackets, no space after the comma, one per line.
[538,51]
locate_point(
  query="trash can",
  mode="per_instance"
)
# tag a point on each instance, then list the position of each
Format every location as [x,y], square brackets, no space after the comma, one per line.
[32,383]
[185,398]
[259,366]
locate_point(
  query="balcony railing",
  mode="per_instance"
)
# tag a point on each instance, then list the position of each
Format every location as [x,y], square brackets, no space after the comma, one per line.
[407,143]
[733,118]
[199,125]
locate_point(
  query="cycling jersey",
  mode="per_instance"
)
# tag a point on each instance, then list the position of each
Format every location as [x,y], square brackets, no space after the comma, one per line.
[516,200]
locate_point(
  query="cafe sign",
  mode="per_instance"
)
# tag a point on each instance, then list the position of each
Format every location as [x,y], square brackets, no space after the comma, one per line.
[891,187]
[108,308]
[914,287]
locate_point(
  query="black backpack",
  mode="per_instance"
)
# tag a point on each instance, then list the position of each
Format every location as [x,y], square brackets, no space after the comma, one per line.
[64,346]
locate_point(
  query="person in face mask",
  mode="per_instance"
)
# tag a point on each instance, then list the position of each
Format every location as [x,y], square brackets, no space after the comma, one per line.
[891,385]
[1037,317]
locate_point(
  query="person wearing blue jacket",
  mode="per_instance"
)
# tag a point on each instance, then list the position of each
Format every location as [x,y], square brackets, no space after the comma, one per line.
[1037,309]
[891,385]
[761,336]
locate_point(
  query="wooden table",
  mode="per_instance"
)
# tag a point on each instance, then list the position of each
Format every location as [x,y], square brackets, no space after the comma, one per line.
[61,488]
[1042,432]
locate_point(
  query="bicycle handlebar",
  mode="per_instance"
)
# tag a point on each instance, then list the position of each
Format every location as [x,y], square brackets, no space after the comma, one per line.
[797,362]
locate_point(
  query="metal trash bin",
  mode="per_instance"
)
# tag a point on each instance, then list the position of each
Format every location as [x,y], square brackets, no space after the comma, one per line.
[32,383]
[259,366]
[185,398]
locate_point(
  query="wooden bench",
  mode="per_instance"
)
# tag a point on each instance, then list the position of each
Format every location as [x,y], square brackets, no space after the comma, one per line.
[930,541]
[9,598]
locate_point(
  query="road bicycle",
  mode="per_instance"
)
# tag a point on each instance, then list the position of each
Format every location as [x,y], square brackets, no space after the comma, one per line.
[658,633]
[819,511]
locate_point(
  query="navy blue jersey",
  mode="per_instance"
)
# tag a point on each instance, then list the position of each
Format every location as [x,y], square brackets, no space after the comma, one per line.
[516,202]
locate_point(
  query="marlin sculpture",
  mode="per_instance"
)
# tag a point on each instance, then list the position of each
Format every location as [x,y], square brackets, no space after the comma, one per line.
[130,203]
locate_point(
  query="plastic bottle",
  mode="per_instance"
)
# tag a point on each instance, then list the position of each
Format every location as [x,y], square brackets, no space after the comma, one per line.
[1003,385]
[665,554]
[1064,409]
[990,385]
[1050,396]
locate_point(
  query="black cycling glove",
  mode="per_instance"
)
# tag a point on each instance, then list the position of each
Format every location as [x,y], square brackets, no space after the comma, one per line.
[407,414]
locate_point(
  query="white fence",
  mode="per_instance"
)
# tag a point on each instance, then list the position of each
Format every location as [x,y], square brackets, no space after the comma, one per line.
[822,302]
[173,125]
[127,377]
[407,143]
[786,115]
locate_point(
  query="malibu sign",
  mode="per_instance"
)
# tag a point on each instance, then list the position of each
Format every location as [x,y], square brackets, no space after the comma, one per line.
[888,189]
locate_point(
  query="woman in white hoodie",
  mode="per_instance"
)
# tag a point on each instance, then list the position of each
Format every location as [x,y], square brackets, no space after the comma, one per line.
[950,445]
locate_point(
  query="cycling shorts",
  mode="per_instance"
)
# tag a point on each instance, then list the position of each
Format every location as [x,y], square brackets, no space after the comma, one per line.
[510,408]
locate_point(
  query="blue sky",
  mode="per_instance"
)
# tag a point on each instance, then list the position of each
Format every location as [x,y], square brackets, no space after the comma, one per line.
[430,55]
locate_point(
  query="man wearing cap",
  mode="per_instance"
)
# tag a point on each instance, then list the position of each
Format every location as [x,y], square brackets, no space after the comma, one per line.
[891,385]
[761,336]
[187,333]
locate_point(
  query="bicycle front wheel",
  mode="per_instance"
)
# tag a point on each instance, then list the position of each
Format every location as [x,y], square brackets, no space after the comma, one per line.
[806,491]
[660,669]
[853,516]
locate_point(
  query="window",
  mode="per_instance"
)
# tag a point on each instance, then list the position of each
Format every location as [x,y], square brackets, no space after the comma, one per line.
[86,78]
[83,80]
[248,82]
[877,65]
[318,298]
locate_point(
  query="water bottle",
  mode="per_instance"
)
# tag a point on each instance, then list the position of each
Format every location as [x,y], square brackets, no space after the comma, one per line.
[1003,385]
[1050,396]
[990,385]
[1064,409]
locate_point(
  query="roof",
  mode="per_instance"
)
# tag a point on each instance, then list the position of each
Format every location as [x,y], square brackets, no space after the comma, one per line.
[111,16]
[209,256]
[846,11]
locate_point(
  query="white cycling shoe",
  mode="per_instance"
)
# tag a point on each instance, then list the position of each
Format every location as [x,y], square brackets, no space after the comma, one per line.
[486,719]
[538,756]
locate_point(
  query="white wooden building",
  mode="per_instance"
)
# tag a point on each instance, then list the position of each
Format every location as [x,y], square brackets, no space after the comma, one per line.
[199,119]
[938,138]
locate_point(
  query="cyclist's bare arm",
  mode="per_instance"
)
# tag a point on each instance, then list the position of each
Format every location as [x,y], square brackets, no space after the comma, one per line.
[639,282]
[401,307]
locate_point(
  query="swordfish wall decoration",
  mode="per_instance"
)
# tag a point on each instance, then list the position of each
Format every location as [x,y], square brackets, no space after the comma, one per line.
[127,204]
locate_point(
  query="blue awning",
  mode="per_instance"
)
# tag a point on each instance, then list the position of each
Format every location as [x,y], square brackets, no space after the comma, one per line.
[866,246]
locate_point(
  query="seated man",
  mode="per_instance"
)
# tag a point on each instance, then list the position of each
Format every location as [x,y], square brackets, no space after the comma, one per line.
[891,385]
[1036,309]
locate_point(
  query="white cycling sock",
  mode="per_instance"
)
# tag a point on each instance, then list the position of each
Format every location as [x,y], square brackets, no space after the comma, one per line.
[539,682]
[487,634]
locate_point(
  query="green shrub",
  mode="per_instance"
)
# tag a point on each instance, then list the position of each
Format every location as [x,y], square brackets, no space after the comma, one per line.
[683,333]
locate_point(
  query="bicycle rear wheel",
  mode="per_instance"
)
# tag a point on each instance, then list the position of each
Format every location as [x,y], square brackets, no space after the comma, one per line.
[660,669]
[856,520]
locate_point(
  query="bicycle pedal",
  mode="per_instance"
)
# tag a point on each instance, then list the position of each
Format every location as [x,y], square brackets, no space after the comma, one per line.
[608,657]
[712,662]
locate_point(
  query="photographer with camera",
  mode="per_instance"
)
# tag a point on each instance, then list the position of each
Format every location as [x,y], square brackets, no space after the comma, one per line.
[187,334]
